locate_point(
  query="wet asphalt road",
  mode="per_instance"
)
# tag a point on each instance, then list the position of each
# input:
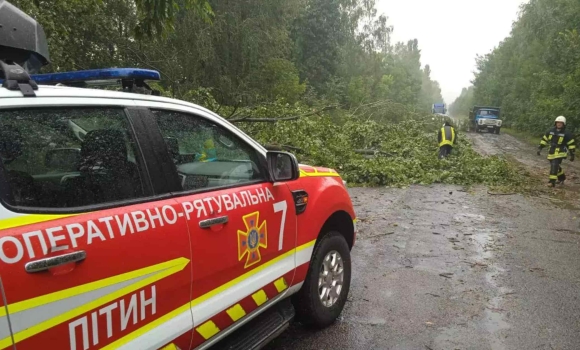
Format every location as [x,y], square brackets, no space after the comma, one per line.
[440,268]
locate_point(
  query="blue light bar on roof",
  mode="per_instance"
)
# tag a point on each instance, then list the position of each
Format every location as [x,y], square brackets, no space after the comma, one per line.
[95,74]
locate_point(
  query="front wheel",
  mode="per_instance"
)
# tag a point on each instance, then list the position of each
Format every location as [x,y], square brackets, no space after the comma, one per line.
[323,294]
[497,130]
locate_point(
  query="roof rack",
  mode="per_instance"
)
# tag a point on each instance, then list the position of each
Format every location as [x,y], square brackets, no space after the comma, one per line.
[16,78]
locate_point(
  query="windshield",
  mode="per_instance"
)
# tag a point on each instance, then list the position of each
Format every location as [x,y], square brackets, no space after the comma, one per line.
[487,112]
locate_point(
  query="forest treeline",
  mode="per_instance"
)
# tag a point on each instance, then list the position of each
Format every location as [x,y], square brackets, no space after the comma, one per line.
[321,78]
[534,74]
[245,52]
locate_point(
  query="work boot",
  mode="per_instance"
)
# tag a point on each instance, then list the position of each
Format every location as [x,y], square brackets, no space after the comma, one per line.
[561,179]
[552,183]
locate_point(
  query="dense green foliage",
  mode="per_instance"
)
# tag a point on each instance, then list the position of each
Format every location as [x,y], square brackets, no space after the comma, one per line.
[327,68]
[406,151]
[463,104]
[248,52]
[534,74]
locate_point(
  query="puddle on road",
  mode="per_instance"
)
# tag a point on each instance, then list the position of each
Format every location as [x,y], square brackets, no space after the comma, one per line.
[493,318]
[368,321]
[468,218]
[494,323]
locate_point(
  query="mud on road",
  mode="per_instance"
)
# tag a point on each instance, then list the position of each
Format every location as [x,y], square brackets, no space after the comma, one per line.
[440,268]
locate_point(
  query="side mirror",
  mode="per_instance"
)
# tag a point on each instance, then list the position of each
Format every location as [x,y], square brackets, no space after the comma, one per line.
[63,159]
[282,166]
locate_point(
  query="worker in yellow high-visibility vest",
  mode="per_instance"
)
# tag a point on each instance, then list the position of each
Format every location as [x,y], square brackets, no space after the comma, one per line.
[209,153]
[446,138]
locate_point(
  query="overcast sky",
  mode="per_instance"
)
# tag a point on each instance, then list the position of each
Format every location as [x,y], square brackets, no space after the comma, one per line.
[448,34]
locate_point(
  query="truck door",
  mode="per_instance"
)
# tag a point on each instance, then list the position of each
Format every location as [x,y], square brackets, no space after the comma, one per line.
[242,228]
[4,325]
[93,260]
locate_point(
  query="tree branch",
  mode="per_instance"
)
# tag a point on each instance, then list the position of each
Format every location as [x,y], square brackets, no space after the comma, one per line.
[264,120]
[234,111]
[372,152]
[145,61]
[276,147]
[249,119]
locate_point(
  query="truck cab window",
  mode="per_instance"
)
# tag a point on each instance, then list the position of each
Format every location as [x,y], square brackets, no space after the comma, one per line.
[206,155]
[63,158]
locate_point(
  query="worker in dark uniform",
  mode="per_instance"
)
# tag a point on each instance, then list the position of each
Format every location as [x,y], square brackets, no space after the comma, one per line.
[446,138]
[560,142]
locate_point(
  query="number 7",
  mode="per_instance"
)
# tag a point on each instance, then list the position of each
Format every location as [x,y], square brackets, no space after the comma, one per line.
[281,207]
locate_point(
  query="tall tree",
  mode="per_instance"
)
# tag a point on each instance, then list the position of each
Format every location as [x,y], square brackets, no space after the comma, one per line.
[533,74]
[462,104]
[430,90]
[93,33]
[319,32]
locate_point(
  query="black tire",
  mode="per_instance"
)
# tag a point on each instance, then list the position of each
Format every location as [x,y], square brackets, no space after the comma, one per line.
[497,130]
[309,308]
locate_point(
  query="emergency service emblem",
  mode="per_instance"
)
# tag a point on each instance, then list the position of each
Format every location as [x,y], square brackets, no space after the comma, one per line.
[252,239]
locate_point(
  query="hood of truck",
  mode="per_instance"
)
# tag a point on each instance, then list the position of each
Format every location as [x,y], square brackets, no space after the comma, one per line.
[314,171]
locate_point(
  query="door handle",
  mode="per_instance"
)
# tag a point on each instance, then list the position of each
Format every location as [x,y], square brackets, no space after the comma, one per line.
[48,263]
[213,221]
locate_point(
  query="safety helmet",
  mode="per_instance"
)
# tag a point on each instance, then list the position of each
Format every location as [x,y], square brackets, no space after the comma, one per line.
[560,119]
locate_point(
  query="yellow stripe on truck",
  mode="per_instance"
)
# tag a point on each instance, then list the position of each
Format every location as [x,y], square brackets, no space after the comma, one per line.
[137,333]
[236,312]
[156,272]
[208,330]
[318,174]
[29,219]
[260,297]
[165,318]
[280,284]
